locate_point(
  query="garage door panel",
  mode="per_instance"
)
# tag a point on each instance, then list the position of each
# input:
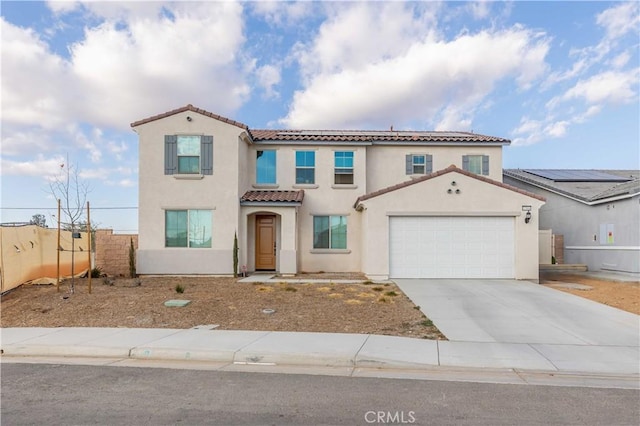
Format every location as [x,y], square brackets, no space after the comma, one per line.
[451,247]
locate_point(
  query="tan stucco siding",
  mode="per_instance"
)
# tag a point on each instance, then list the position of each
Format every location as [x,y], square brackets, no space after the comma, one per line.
[322,198]
[386,164]
[430,198]
[218,192]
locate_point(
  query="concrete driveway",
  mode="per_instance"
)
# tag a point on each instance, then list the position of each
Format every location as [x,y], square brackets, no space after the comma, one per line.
[509,311]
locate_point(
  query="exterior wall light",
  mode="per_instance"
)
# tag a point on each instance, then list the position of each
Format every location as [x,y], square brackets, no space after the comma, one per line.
[527,217]
[453,183]
[457,191]
[189,118]
[449,191]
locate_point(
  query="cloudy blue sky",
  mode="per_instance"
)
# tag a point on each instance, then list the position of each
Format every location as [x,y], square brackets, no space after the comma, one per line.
[560,79]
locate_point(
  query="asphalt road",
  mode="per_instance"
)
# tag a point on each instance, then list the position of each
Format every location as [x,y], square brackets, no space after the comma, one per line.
[74,394]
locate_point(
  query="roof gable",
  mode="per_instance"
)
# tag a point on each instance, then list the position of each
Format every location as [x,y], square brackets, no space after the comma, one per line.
[449,169]
[192,109]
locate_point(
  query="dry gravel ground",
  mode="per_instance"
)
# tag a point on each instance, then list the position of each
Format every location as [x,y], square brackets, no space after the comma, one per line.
[139,303]
[621,295]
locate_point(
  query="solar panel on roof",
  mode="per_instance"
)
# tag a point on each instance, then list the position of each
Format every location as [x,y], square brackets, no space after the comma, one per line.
[557,175]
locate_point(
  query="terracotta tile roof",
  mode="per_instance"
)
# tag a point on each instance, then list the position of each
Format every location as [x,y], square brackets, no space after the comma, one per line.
[192,109]
[372,136]
[449,169]
[273,196]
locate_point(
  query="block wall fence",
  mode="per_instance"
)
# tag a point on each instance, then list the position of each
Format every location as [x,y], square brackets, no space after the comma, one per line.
[112,252]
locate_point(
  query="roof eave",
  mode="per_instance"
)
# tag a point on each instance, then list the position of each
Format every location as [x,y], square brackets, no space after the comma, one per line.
[270,203]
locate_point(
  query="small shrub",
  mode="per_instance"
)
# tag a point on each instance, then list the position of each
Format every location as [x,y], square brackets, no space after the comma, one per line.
[417,308]
[138,282]
[427,323]
[383,299]
[179,289]
[132,260]
[377,289]
[367,282]
[391,294]
[553,260]
[292,289]
[108,281]
[96,272]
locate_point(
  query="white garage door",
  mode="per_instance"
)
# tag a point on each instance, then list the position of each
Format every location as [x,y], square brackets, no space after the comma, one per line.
[451,247]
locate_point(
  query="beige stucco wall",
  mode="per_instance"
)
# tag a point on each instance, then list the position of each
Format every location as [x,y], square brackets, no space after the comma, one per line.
[430,197]
[322,198]
[29,253]
[219,192]
[386,164]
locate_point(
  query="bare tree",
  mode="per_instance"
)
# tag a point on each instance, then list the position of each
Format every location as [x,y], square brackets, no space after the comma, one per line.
[72,191]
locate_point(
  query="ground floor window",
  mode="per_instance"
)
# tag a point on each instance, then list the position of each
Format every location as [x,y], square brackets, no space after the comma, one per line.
[329,232]
[188,228]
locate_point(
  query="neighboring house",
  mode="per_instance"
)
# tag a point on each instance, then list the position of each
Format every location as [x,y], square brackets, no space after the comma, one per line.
[597,211]
[386,203]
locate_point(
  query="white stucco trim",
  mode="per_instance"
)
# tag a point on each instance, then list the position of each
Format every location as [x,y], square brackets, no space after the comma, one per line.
[330,251]
[345,186]
[188,177]
[603,247]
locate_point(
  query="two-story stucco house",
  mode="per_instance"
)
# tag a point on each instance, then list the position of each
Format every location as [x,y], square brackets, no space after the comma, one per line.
[386,203]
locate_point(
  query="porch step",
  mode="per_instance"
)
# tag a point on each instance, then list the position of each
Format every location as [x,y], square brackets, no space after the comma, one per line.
[257,278]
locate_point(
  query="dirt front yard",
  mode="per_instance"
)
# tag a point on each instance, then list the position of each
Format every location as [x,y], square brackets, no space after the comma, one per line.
[621,295]
[139,303]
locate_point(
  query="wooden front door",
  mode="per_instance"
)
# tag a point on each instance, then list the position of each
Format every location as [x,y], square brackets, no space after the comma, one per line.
[266,243]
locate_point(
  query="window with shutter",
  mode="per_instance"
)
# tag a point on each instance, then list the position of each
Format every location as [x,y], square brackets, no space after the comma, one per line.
[188,154]
[418,164]
[478,164]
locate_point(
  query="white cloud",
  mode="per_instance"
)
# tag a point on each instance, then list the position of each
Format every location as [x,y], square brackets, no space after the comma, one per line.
[612,87]
[394,68]
[621,60]
[36,87]
[41,166]
[268,76]
[143,58]
[620,20]
[283,13]
[480,9]
[556,129]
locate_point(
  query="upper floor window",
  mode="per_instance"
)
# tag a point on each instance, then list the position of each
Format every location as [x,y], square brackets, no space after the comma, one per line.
[478,164]
[188,228]
[266,167]
[418,164]
[329,232]
[188,154]
[305,167]
[343,167]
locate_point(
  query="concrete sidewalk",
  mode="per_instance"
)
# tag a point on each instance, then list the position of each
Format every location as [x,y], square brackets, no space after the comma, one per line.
[312,350]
